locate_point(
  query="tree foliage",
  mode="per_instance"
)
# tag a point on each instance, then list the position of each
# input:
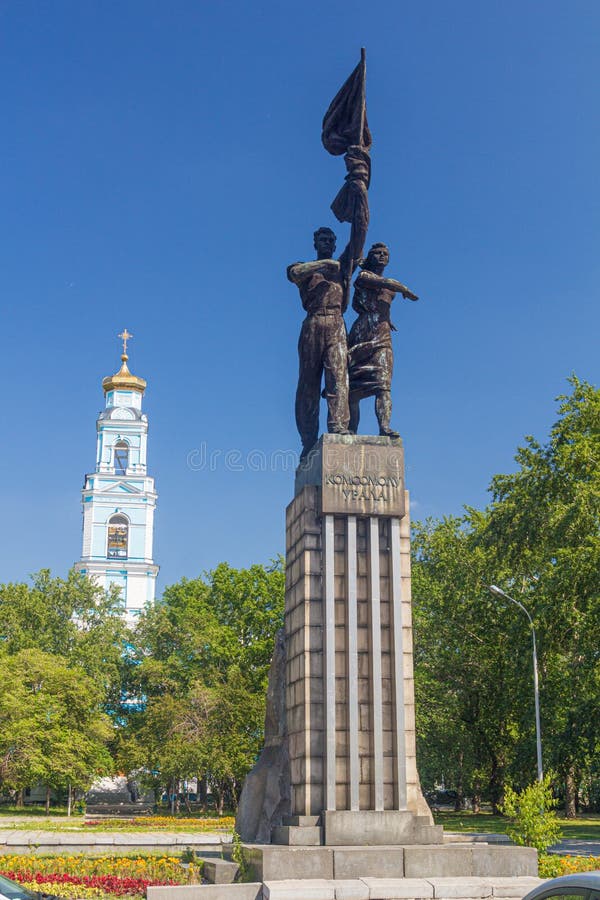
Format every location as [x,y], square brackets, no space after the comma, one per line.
[51,728]
[534,822]
[204,626]
[540,540]
[72,618]
[201,665]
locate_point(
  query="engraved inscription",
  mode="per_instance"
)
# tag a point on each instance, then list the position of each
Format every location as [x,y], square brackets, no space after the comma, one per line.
[357,475]
[373,488]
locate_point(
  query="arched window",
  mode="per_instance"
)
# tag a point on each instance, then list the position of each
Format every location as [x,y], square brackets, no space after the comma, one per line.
[118,534]
[121,457]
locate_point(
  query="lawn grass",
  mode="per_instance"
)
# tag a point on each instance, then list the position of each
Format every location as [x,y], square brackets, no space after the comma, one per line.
[32,810]
[467,821]
[142,824]
[584,828]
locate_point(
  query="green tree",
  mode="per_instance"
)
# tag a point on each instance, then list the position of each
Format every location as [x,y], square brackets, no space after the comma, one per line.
[544,525]
[52,729]
[73,618]
[203,626]
[202,659]
[540,540]
[467,675]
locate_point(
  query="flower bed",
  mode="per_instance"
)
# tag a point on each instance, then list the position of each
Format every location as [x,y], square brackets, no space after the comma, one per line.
[551,866]
[169,823]
[97,877]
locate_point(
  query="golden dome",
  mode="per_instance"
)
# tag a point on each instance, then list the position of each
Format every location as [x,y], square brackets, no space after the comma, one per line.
[123,380]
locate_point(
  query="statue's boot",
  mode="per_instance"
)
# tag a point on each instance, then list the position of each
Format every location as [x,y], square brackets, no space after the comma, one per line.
[383,411]
[354,415]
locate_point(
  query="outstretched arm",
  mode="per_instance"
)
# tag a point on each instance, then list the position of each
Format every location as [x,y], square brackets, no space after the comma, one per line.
[370,279]
[301,271]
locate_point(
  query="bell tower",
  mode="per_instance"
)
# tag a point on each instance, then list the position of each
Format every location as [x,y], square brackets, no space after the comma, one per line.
[119,497]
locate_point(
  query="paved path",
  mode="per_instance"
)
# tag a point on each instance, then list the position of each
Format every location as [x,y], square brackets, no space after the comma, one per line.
[576,848]
[571,846]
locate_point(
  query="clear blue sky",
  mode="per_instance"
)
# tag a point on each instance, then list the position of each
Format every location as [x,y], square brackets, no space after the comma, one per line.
[161,165]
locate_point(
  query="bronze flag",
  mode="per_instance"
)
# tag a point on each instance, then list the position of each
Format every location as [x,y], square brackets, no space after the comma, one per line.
[345,123]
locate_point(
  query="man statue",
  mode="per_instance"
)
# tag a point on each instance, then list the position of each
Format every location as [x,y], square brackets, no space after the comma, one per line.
[324,287]
[370,354]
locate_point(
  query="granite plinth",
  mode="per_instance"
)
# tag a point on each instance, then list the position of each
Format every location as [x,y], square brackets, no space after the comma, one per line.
[348,622]
[372,827]
[357,475]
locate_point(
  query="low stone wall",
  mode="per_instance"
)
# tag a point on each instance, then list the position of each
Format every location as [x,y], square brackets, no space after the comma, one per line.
[44,842]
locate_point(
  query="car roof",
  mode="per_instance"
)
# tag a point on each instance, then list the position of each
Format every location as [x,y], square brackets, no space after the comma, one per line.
[10,888]
[587,881]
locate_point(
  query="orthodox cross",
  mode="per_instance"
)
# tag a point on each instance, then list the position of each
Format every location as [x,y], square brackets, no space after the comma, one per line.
[125,336]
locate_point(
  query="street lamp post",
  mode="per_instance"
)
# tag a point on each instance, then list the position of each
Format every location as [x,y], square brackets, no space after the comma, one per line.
[498,592]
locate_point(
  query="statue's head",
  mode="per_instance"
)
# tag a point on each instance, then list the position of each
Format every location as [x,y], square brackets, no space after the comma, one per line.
[377,258]
[325,241]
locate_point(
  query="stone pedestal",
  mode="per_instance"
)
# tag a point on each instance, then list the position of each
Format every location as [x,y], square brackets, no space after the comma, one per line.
[356,805]
[350,690]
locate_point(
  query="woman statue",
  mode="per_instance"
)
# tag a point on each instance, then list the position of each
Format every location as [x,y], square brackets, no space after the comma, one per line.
[370,354]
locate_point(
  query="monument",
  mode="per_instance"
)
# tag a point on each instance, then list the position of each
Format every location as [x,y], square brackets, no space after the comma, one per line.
[336,792]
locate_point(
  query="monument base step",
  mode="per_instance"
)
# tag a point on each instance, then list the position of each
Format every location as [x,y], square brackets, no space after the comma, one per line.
[297,835]
[487,837]
[219,871]
[270,862]
[391,826]
[355,889]
[302,820]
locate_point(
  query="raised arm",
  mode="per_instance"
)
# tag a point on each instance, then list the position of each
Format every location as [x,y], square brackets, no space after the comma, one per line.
[352,205]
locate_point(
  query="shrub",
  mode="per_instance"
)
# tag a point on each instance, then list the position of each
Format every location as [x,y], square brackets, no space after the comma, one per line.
[238,856]
[534,824]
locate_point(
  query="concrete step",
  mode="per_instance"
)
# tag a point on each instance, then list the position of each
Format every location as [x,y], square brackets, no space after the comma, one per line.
[355,889]
[246,891]
[302,820]
[428,834]
[268,862]
[484,837]
[297,835]
[219,871]
[395,889]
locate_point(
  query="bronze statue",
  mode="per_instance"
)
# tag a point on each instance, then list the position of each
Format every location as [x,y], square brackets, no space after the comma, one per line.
[325,283]
[370,354]
[324,289]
